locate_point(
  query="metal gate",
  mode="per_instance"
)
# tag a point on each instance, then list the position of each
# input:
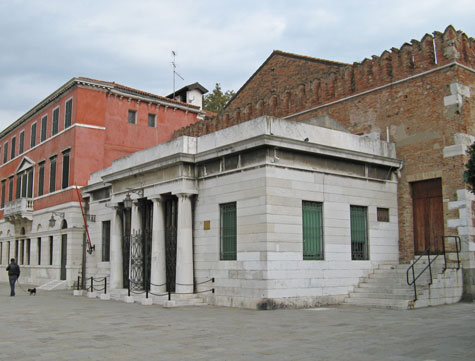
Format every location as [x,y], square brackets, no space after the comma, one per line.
[170,241]
[140,259]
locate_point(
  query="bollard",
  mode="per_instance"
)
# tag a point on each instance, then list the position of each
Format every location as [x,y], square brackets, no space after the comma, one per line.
[92,284]
[79,280]
[105,285]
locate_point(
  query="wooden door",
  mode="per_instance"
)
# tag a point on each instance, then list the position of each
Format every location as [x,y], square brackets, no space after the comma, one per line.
[428,214]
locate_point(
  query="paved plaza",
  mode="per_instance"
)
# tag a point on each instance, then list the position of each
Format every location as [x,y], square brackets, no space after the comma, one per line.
[55,325]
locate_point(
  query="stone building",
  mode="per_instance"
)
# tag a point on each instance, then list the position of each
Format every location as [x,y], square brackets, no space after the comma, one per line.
[279,213]
[418,96]
[50,152]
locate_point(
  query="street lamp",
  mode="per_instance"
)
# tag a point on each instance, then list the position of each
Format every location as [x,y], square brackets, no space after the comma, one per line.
[52,220]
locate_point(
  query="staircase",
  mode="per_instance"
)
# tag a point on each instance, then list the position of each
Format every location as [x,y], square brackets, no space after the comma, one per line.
[387,286]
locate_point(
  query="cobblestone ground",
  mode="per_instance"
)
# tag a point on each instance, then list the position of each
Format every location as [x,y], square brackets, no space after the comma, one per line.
[58,326]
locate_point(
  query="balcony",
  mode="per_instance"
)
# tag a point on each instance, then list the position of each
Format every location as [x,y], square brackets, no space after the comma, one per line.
[19,209]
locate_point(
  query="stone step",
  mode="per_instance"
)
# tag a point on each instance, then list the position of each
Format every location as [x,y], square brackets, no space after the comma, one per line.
[380,295]
[378,302]
[386,290]
[54,285]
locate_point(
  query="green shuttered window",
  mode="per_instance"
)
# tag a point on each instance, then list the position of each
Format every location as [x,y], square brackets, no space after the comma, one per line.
[312,221]
[228,231]
[359,232]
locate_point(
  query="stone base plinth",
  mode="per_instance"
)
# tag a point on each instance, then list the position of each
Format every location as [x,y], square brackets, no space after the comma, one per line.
[129,299]
[77,293]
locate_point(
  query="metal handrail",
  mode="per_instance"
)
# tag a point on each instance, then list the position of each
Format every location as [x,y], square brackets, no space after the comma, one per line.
[427,253]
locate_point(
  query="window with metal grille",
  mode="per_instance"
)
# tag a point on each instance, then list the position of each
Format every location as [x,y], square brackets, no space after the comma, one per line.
[383,214]
[312,221]
[33,135]
[54,129]
[228,231]
[65,183]
[41,178]
[44,126]
[132,116]
[359,233]
[151,120]
[106,239]
[21,145]
[68,114]
[52,175]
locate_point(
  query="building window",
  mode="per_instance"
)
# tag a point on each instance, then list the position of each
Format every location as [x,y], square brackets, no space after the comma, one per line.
[33,135]
[41,178]
[24,185]
[5,152]
[50,250]
[65,182]
[52,174]
[359,233]
[16,250]
[10,188]
[228,231]
[151,120]
[13,147]
[4,186]
[132,116]
[312,221]
[106,241]
[39,250]
[68,114]
[54,129]
[44,126]
[383,214]
[21,146]
[28,249]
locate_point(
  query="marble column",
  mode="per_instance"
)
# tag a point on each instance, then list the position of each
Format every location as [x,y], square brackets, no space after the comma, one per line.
[184,254]
[116,265]
[158,268]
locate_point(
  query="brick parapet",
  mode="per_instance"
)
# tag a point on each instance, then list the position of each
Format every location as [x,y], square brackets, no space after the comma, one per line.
[327,84]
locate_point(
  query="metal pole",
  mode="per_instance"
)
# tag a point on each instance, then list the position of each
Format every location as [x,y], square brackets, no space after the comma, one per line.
[128,288]
[92,284]
[105,285]
[79,280]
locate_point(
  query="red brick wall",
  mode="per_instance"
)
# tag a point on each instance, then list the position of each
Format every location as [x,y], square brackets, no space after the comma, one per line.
[377,95]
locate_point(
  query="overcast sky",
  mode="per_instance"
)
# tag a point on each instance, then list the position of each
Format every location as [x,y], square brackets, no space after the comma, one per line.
[45,43]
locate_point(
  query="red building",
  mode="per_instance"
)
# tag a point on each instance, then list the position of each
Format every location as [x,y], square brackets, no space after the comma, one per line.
[53,148]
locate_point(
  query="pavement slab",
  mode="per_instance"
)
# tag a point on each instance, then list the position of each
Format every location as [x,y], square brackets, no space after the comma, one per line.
[54,325]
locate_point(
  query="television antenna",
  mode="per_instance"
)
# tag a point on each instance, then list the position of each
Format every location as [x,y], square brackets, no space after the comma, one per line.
[174,72]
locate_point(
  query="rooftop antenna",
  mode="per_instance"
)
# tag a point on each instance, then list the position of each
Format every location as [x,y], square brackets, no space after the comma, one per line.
[174,72]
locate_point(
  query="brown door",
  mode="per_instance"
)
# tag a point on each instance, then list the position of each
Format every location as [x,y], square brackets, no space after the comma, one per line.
[428,214]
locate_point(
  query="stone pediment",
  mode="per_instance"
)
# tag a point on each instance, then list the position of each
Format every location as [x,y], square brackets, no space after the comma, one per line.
[24,164]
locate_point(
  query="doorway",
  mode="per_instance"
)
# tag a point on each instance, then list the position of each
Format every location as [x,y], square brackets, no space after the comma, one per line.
[428,214]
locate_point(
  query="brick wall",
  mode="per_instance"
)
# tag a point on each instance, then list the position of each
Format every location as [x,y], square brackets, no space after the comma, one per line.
[402,92]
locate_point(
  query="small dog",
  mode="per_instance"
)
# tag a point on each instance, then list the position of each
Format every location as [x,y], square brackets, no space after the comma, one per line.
[32,291]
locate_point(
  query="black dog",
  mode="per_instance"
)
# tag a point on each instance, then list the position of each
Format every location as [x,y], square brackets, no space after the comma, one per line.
[32,291]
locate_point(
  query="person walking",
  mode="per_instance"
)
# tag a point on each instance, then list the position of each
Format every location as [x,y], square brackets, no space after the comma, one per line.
[13,274]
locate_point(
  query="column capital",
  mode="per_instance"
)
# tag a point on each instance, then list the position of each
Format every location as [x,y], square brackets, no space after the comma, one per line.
[156,198]
[186,194]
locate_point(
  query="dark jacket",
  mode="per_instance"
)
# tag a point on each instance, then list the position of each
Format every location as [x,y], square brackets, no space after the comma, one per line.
[13,270]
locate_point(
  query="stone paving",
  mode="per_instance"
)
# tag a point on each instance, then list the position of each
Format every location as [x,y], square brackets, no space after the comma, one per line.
[54,325]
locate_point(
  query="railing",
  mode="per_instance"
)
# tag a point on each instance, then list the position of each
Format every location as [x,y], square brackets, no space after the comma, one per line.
[93,286]
[20,205]
[436,254]
[147,291]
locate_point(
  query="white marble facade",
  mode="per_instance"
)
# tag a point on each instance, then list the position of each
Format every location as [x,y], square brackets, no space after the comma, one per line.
[268,167]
